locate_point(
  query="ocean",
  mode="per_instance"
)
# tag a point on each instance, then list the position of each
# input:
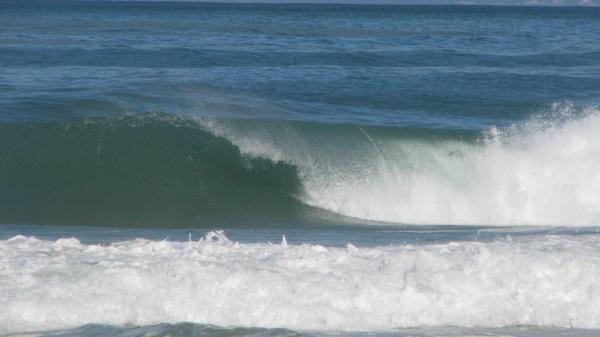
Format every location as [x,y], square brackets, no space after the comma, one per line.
[246,169]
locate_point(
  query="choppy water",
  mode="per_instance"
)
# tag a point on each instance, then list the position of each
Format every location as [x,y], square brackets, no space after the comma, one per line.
[434,169]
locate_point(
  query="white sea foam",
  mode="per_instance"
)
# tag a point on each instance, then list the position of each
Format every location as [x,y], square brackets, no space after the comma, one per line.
[548,281]
[543,172]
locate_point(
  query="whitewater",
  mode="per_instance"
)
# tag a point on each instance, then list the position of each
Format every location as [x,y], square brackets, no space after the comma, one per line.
[546,282]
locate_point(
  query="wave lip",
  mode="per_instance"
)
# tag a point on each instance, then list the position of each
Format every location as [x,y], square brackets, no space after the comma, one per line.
[548,282]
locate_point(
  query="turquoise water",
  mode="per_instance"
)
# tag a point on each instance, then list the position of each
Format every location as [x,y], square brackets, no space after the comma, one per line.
[202,169]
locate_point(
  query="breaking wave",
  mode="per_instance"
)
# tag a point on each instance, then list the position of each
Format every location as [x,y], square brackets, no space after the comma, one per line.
[168,170]
[542,172]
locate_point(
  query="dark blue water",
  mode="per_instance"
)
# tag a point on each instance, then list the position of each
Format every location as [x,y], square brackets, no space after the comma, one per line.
[429,67]
[399,170]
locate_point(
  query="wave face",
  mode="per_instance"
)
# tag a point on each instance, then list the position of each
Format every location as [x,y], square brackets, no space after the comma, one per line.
[136,170]
[167,170]
[545,283]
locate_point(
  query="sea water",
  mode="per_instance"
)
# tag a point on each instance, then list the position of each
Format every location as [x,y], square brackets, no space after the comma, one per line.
[197,169]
